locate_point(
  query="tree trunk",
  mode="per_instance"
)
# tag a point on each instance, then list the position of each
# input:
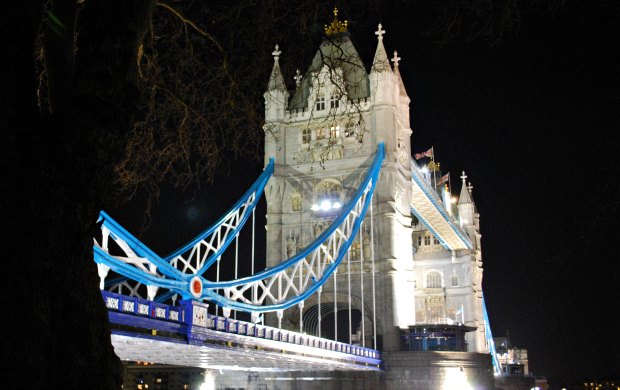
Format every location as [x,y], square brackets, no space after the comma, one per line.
[57,175]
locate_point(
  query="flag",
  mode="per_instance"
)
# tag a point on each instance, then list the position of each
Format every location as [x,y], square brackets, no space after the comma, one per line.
[444,178]
[428,153]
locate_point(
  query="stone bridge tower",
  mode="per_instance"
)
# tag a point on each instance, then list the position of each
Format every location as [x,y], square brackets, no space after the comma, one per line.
[324,134]
[324,139]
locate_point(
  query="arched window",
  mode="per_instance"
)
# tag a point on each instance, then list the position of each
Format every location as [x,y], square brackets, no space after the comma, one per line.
[433,280]
[334,101]
[327,196]
[306,136]
[320,102]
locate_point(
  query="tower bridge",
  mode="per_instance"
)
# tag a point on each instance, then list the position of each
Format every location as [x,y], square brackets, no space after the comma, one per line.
[371,241]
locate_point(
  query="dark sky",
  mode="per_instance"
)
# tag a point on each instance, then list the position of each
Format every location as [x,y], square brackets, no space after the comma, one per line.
[533,120]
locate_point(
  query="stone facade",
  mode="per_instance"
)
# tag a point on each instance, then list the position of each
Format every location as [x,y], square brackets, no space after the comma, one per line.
[323,139]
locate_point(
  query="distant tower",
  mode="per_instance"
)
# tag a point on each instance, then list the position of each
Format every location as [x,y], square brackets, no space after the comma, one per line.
[449,283]
[324,140]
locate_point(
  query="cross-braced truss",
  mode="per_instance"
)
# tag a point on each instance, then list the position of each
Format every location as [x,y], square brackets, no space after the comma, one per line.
[274,289]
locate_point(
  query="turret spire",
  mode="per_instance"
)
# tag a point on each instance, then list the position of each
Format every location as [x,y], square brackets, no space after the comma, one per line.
[396,59]
[276,81]
[465,197]
[380,62]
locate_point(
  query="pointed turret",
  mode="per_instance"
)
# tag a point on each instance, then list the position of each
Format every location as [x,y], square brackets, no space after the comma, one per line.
[380,63]
[383,85]
[276,97]
[276,80]
[465,205]
[403,98]
[276,100]
[396,59]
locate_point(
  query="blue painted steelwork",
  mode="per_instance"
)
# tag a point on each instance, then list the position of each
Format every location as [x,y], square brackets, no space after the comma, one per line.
[144,266]
[366,188]
[179,320]
[432,197]
[257,188]
[497,368]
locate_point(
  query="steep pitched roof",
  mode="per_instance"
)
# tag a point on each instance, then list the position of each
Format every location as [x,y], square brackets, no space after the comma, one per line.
[336,51]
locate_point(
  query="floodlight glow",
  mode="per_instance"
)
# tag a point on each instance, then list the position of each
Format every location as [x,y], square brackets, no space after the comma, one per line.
[326,205]
[315,207]
[456,379]
[336,205]
[424,169]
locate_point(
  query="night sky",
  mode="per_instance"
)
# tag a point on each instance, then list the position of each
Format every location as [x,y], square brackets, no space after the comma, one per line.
[533,120]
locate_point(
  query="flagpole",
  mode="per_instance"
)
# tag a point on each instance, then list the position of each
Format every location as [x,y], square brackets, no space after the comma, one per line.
[434,168]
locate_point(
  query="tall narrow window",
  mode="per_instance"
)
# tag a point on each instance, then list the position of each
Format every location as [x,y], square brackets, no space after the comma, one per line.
[334,132]
[427,240]
[455,281]
[296,202]
[334,101]
[320,133]
[306,136]
[320,103]
[433,280]
[349,130]
[419,241]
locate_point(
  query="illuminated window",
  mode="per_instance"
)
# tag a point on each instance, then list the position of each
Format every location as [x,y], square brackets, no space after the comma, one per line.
[296,202]
[334,101]
[349,131]
[327,196]
[320,103]
[334,132]
[433,280]
[306,136]
[355,251]
[328,188]
[320,133]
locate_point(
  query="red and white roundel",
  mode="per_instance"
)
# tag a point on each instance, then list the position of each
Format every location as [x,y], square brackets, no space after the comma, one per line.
[195,287]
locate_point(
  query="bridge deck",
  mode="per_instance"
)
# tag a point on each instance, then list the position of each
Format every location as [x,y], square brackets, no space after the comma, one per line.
[185,336]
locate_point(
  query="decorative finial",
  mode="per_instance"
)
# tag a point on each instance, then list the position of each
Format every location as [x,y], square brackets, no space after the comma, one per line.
[470,188]
[276,53]
[396,58]
[297,77]
[336,26]
[379,33]
[463,176]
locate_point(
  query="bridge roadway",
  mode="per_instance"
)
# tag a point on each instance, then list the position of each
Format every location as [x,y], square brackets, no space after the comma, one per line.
[187,335]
